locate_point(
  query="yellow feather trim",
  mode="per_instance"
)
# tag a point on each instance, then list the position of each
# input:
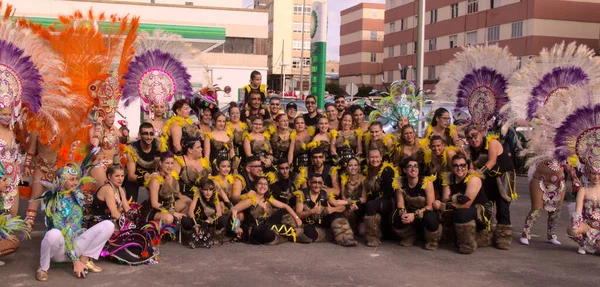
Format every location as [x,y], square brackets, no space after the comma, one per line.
[347,143]
[216,198]
[427,180]
[272,129]
[244,126]
[428,131]
[217,179]
[164,143]
[271,177]
[293,135]
[179,160]
[444,157]
[304,146]
[208,134]
[196,192]
[489,138]
[229,133]
[267,135]
[427,156]
[175,175]
[333,134]
[396,181]
[247,88]
[128,150]
[313,144]
[311,131]
[299,194]
[154,176]
[424,143]
[263,88]
[247,135]
[359,132]
[205,163]
[452,130]
[471,175]
[241,178]
[271,198]
[248,196]
[573,160]
[334,171]
[367,137]
[332,196]
[444,176]
[387,137]
[301,177]
[344,179]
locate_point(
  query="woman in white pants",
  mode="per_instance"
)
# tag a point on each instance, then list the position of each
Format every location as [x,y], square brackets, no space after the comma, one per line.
[66,239]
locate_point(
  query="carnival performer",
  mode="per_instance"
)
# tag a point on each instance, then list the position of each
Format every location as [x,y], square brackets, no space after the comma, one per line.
[408,145]
[311,118]
[256,143]
[347,142]
[280,137]
[66,239]
[440,126]
[258,225]
[142,159]
[286,183]
[245,181]
[179,128]
[358,118]
[254,108]
[376,138]
[158,73]
[585,224]
[274,108]
[340,105]
[437,159]
[332,116]
[545,92]
[205,216]
[110,201]
[9,226]
[471,209]
[239,128]
[298,154]
[219,142]
[191,167]
[223,181]
[415,210]
[166,202]
[352,195]
[204,122]
[313,206]
[382,186]
[255,85]
[323,138]
[401,107]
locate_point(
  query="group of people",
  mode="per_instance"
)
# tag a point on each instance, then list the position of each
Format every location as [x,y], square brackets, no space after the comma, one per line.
[262,174]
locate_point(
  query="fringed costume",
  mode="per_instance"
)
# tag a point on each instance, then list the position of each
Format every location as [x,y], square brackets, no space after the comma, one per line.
[381,184]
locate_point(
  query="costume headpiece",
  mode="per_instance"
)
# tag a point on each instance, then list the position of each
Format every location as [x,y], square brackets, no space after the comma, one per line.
[579,137]
[477,80]
[403,101]
[158,72]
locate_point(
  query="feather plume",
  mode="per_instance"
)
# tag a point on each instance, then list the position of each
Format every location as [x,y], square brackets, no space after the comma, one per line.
[580,135]
[9,226]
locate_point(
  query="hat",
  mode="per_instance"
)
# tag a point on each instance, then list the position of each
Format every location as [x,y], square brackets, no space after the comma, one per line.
[291,105]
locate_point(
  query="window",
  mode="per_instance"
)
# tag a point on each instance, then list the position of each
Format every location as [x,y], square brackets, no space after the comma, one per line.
[453,41]
[431,73]
[188,3]
[374,14]
[306,44]
[390,76]
[517,29]
[297,45]
[416,44]
[432,44]
[402,24]
[297,27]
[472,6]
[306,62]
[493,33]
[391,52]
[307,9]
[373,57]
[296,63]
[392,3]
[433,17]
[392,27]
[235,45]
[372,79]
[403,49]
[306,28]
[472,38]
[494,4]
[373,35]
[454,10]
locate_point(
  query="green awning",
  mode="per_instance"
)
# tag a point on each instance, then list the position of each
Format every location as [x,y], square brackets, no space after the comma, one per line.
[187,32]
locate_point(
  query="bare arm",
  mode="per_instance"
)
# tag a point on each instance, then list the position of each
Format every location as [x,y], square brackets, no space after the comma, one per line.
[93,133]
[494,150]
[219,209]
[131,176]
[206,147]
[291,152]
[247,147]
[192,207]
[281,205]
[579,200]
[446,193]
[240,206]
[125,203]
[300,209]
[473,187]
[109,198]
[153,188]
[176,133]
[359,145]
[237,190]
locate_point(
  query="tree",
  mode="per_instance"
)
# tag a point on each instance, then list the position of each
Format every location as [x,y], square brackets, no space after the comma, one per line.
[334,89]
[363,91]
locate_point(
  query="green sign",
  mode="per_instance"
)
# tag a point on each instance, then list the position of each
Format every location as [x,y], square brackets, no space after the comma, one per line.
[318,51]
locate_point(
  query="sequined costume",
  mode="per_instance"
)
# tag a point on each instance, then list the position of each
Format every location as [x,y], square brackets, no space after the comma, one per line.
[590,215]
[9,158]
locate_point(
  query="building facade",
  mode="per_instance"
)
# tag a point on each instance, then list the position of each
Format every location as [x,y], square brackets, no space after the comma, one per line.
[525,26]
[361,45]
[288,55]
[225,35]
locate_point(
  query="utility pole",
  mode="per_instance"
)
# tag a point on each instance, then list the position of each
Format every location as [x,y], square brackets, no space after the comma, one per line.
[302,51]
[420,52]
[282,68]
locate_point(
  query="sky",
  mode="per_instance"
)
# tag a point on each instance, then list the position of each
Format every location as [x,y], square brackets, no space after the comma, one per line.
[333,32]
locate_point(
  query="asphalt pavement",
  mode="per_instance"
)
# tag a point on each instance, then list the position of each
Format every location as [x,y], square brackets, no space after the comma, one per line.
[327,264]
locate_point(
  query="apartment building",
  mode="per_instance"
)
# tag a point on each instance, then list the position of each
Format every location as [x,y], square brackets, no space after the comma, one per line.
[288,55]
[362,45]
[525,26]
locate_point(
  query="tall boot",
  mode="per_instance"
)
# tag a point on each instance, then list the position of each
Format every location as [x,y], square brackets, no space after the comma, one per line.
[465,237]
[484,238]
[406,235]
[432,238]
[503,236]
[532,217]
[322,235]
[342,232]
[300,236]
[552,224]
[278,239]
[373,230]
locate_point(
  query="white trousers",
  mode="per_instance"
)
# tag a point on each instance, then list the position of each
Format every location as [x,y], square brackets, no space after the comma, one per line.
[89,244]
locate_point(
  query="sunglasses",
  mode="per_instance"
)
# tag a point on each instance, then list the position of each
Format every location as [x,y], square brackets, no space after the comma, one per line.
[311,103]
[317,182]
[462,165]
[254,166]
[274,104]
[472,136]
[340,102]
[414,166]
[146,133]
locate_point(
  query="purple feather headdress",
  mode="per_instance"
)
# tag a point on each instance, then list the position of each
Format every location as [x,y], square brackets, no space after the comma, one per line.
[156,76]
[482,92]
[559,78]
[20,80]
[579,135]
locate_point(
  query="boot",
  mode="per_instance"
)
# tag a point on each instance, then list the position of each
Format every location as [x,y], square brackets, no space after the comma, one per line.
[552,223]
[218,236]
[432,238]
[503,236]
[484,238]
[406,235]
[373,231]
[278,240]
[465,237]
[532,217]
[288,220]
[322,235]
[342,232]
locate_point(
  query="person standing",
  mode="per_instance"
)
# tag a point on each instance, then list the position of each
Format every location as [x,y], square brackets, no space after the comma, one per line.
[143,156]
[311,119]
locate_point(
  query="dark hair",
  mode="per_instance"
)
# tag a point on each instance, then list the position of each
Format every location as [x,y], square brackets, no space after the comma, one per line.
[317,150]
[438,113]
[354,108]
[274,99]
[376,123]
[254,74]
[221,159]
[353,158]
[310,97]
[179,104]
[436,138]
[402,130]
[255,93]
[206,183]
[113,168]
[459,156]
[252,159]
[256,117]
[337,97]
[330,105]
[217,115]
[282,160]
[346,113]
[469,128]
[166,155]
[314,174]
[299,117]
[375,149]
[231,106]
[145,125]
[188,144]
[406,160]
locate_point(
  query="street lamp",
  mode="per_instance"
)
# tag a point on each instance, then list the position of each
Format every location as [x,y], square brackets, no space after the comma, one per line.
[283,65]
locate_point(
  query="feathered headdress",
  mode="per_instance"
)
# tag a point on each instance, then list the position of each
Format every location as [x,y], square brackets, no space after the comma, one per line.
[559,68]
[579,138]
[477,80]
[402,102]
[158,71]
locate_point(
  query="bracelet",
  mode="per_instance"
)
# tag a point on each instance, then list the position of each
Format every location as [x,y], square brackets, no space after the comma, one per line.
[296,217]
[484,169]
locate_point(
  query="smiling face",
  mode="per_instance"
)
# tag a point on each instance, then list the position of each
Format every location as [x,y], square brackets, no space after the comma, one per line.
[220,122]
[291,113]
[311,105]
[340,104]
[147,135]
[234,114]
[254,168]
[353,167]
[316,184]
[256,81]
[437,147]
[274,106]
[255,101]
[224,167]
[206,116]
[323,125]
[332,112]
[184,111]
[375,158]
[459,167]
[474,138]
[257,126]
[412,169]
[358,117]
[347,122]
[376,132]
[262,186]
